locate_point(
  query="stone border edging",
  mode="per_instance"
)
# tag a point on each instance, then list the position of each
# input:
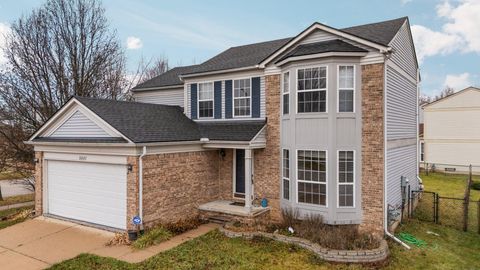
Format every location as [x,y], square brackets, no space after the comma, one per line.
[331,255]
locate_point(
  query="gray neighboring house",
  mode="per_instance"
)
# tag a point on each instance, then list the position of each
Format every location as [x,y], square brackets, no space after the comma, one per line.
[324,122]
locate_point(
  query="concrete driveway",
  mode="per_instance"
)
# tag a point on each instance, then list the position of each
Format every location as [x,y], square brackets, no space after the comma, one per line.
[41,242]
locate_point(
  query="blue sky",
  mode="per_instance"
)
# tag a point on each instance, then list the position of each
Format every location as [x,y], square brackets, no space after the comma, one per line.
[186,32]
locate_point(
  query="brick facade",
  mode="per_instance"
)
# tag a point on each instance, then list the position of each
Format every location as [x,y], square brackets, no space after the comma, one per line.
[372,147]
[175,184]
[38,183]
[225,175]
[267,160]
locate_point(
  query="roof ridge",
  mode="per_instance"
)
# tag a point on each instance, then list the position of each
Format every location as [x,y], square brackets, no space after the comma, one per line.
[124,101]
[369,24]
[257,43]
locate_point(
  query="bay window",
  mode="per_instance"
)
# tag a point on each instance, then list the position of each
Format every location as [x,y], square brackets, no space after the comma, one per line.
[312,90]
[346,88]
[286,174]
[312,177]
[286,93]
[346,178]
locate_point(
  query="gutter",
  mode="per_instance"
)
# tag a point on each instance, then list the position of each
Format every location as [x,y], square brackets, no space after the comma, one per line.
[385,196]
[140,184]
[221,71]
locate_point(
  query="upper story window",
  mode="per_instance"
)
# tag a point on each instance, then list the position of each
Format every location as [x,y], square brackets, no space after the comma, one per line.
[346,88]
[205,100]
[286,93]
[242,97]
[346,178]
[312,89]
[312,177]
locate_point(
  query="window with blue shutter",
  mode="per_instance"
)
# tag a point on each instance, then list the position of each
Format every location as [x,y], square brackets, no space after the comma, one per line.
[218,99]
[256,97]
[193,99]
[228,99]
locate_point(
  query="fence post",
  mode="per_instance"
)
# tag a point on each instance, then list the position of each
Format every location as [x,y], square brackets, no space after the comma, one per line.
[436,201]
[466,199]
[478,216]
[426,168]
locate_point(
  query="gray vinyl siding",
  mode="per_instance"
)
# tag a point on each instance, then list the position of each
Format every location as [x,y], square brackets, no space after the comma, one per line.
[165,96]
[400,162]
[403,52]
[78,125]
[401,106]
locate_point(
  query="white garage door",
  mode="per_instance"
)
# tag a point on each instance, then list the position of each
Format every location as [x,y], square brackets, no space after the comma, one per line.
[90,192]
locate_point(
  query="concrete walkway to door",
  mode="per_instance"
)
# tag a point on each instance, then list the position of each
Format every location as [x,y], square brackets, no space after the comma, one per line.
[41,242]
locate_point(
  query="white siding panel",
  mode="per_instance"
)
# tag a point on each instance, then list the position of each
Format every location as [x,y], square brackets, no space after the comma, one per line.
[452,124]
[318,36]
[400,162]
[401,106]
[79,125]
[165,97]
[403,52]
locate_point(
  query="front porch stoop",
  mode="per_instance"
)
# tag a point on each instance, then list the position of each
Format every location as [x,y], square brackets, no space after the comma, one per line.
[223,211]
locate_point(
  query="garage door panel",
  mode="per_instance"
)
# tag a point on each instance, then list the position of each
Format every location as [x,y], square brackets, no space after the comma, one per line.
[90,192]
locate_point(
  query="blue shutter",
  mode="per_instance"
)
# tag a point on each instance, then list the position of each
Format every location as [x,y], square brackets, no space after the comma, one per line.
[228,99]
[193,99]
[256,97]
[217,90]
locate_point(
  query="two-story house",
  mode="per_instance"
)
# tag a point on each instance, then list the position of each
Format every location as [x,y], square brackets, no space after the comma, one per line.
[324,122]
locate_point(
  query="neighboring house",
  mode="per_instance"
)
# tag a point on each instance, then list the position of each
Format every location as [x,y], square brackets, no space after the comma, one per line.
[324,122]
[421,128]
[452,131]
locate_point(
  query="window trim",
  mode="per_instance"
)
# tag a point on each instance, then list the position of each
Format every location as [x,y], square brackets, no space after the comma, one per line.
[314,182]
[354,86]
[354,177]
[233,98]
[198,99]
[326,89]
[286,93]
[289,175]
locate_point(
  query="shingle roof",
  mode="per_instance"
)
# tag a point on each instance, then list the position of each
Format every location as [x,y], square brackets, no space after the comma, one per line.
[230,131]
[144,123]
[380,32]
[168,78]
[253,54]
[323,47]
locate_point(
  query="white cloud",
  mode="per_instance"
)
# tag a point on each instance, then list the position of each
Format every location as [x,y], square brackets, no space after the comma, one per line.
[4,30]
[404,2]
[460,32]
[134,43]
[429,42]
[458,81]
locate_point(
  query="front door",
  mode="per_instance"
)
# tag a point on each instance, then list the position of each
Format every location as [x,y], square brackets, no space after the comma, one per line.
[239,173]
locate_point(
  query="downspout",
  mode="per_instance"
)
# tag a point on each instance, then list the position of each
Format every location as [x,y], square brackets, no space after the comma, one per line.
[385,199]
[140,184]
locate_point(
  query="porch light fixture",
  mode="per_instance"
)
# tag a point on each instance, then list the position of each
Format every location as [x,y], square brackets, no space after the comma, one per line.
[129,167]
[222,153]
[35,160]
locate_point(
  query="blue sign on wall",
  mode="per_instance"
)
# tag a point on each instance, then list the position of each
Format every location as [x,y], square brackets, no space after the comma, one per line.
[136,220]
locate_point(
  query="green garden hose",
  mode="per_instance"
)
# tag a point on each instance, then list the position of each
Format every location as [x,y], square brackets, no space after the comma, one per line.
[410,239]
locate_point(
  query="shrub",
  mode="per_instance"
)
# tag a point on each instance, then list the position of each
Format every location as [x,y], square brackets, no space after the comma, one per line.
[476,185]
[290,217]
[183,225]
[153,236]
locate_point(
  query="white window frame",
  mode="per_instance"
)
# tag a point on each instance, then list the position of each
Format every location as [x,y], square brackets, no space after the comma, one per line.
[338,86]
[289,173]
[233,98]
[198,99]
[354,177]
[286,93]
[311,90]
[313,182]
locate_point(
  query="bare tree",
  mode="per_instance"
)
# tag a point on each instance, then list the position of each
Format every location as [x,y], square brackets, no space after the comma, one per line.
[61,49]
[424,99]
[145,71]
[447,91]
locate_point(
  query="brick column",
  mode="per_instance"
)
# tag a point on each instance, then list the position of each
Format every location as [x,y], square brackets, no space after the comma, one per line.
[373,148]
[267,160]
[38,184]
[132,191]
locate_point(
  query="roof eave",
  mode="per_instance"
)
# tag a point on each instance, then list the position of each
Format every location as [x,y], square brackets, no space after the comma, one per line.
[163,87]
[220,71]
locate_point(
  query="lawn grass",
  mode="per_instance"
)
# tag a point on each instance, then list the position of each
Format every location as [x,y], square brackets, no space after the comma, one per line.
[452,249]
[450,185]
[9,212]
[9,175]
[17,199]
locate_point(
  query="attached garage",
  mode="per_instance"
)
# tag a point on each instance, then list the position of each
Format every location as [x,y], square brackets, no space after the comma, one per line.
[89,192]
